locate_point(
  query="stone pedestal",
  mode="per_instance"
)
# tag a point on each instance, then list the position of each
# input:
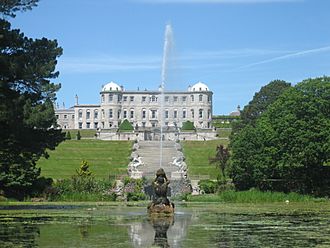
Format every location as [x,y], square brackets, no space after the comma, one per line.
[176,175]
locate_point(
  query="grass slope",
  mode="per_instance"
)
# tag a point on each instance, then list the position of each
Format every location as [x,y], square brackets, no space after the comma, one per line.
[105,158]
[197,155]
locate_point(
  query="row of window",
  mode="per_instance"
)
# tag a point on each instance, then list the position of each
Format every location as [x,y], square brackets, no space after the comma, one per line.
[153,114]
[154,98]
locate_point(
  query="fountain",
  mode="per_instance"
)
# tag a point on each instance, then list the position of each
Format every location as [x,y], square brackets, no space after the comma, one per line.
[168,43]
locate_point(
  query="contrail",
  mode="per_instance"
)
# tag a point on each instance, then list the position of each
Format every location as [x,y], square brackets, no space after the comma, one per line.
[288,56]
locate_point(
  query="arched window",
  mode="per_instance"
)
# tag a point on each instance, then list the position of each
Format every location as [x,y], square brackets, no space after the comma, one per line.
[192,113]
[80,113]
[88,114]
[200,97]
[96,114]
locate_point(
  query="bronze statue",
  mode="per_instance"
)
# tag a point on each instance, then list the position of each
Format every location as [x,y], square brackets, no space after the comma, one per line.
[161,203]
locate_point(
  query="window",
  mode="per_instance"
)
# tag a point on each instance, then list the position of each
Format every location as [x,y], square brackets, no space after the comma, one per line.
[144,98]
[65,116]
[119,98]
[192,113]
[175,98]
[201,113]
[110,124]
[125,98]
[175,114]
[167,98]
[125,114]
[132,114]
[96,114]
[102,98]
[72,117]
[96,124]
[80,125]
[143,124]
[184,99]
[166,114]
[88,125]
[200,98]
[56,116]
[118,114]
[166,123]
[208,114]
[209,98]
[110,97]
[144,114]
[110,113]
[184,114]
[153,113]
[88,114]
[154,99]
[153,124]
[80,113]
[192,97]
[131,98]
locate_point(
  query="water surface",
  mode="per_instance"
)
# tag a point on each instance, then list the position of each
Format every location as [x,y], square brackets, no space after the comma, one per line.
[194,225]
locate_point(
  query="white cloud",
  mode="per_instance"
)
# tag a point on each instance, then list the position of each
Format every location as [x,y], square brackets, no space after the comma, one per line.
[215,1]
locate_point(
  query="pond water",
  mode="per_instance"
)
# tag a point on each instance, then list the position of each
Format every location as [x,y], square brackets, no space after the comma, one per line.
[194,225]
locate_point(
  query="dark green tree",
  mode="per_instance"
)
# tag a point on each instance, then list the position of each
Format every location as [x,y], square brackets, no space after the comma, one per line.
[68,135]
[78,136]
[27,119]
[221,159]
[125,126]
[9,7]
[288,148]
[260,102]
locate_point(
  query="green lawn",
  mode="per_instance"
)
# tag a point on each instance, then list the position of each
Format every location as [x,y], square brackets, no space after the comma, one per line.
[197,155]
[105,158]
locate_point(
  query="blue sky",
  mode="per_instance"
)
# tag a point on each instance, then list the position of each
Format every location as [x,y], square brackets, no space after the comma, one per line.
[234,46]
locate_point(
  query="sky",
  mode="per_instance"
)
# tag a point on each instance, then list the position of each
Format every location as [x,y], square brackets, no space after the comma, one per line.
[233,46]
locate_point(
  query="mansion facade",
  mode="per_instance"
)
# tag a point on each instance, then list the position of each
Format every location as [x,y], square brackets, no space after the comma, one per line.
[141,108]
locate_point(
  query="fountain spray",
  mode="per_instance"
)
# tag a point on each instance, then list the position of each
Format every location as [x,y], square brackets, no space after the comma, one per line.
[168,44]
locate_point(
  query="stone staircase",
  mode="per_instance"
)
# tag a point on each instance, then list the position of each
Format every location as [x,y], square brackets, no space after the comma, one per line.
[150,153]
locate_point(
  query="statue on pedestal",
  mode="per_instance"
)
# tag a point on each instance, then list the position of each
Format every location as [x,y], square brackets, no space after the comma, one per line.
[161,203]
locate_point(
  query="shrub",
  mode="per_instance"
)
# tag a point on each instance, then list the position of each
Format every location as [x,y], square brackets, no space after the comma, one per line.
[208,186]
[188,125]
[68,135]
[78,135]
[125,126]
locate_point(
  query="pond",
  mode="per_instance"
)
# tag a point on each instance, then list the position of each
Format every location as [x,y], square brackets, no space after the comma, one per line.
[194,225]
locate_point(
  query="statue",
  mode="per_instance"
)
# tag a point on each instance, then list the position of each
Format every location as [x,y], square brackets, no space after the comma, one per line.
[161,203]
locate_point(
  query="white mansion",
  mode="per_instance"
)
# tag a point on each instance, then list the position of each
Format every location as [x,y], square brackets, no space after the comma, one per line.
[141,108]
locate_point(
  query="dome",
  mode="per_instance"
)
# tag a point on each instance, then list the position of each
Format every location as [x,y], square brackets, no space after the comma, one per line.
[199,87]
[112,86]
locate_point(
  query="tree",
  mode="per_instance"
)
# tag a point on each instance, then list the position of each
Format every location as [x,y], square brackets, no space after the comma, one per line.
[68,135]
[9,7]
[78,136]
[221,159]
[260,102]
[125,126]
[288,148]
[27,118]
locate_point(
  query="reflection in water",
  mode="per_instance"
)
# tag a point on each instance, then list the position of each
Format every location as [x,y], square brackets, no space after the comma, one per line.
[161,225]
[165,231]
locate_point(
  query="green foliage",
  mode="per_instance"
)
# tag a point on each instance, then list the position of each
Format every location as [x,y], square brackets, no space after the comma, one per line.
[188,125]
[26,104]
[260,102]
[288,146]
[68,135]
[134,189]
[221,159]
[125,126]
[83,170]
[207,186]
[78,136]
[9,7]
